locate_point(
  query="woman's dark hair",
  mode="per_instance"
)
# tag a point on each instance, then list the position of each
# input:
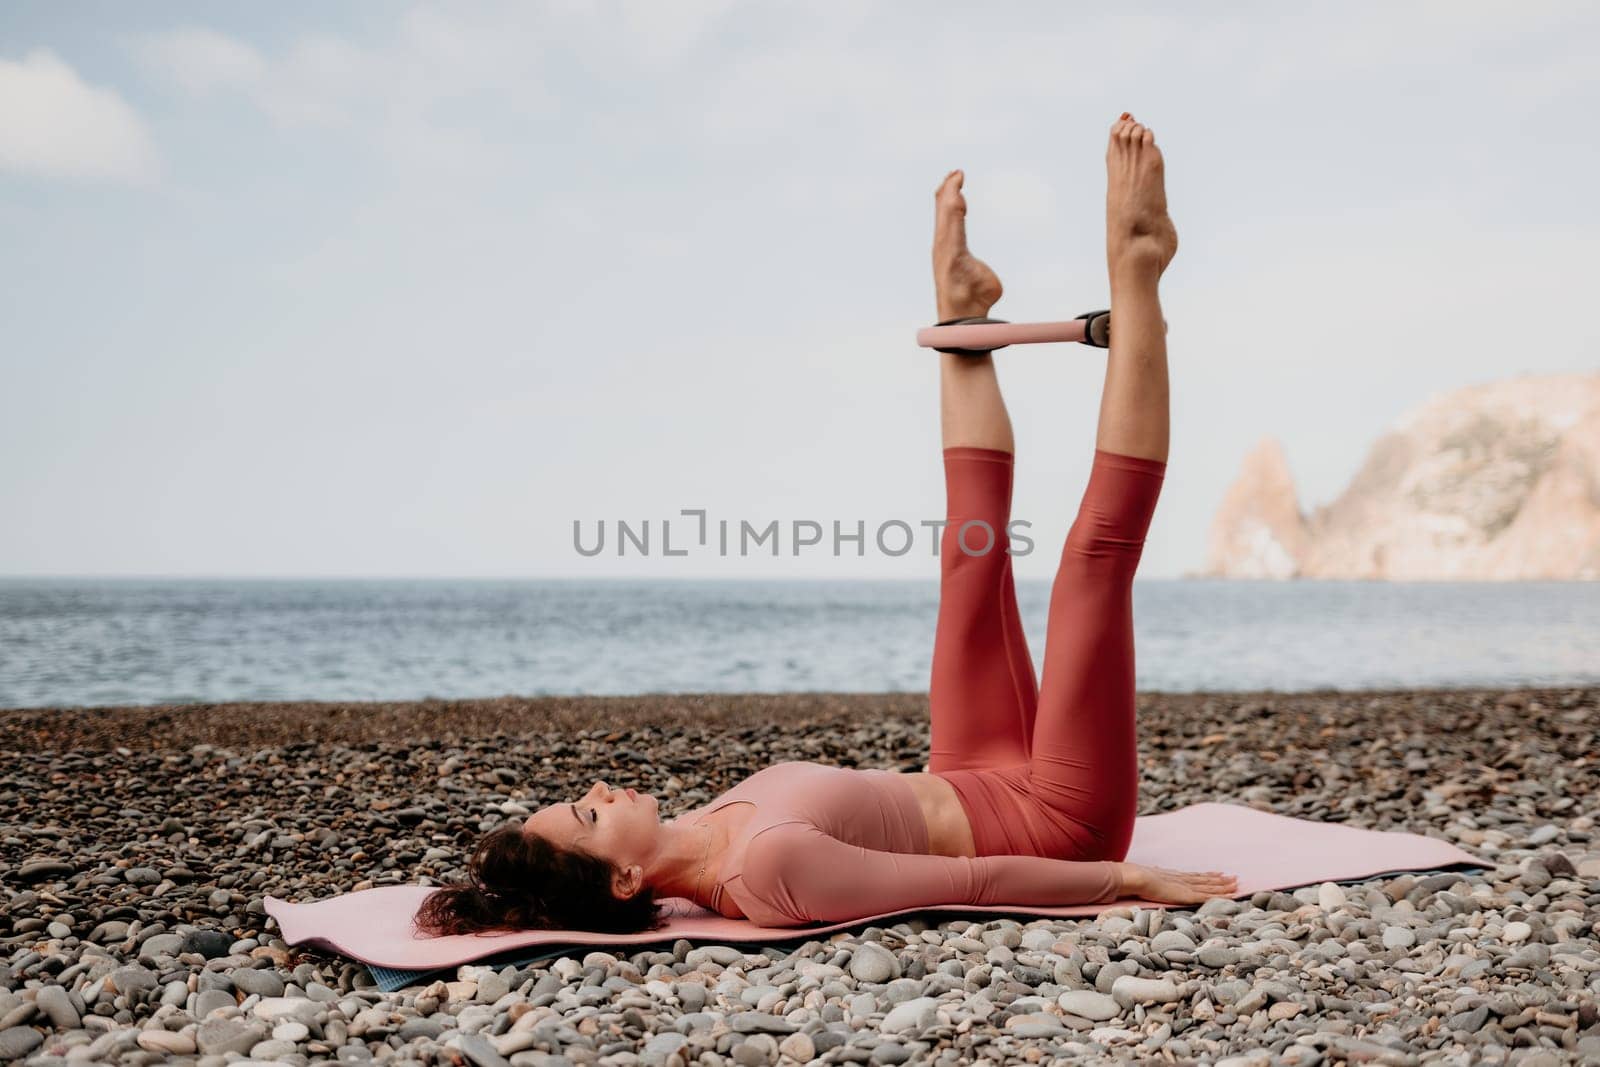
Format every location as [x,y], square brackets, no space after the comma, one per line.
[519,881]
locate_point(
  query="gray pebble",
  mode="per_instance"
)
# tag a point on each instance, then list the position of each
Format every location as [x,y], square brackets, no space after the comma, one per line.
[412,1029]
[760,1022]
[257,980]
[1469,1021]
[160,947]
[890,1052]
[1529,957]
[873,963]
[208,943]
[491,987]
[747,1055]
[692,995]
[220,1035]
[210,1000]
[55,1003]
[44,870]
[914,1015]
[721,955]
[272,1049]
[478,1049]
[903,989]
[1170,940]
[1036,1029]
[133,980]
[665,1044]
[18,1041]
[1039,939]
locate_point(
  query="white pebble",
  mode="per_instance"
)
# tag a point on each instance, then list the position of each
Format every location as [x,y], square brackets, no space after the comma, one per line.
[1129,989]
[290,1031]
[167,1041]
[1398,937]
[1088,1004]
[916,1014]
[798,1047]
[1258,1058]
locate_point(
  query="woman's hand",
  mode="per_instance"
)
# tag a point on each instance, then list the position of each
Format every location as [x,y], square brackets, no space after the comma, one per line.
[1175,887]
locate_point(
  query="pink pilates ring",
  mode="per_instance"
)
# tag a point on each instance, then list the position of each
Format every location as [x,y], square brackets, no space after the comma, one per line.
[977,336]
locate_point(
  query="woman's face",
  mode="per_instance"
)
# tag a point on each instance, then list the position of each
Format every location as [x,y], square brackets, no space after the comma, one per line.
[619,825]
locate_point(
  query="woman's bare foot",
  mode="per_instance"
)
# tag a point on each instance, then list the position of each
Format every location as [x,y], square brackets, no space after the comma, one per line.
[965,285]
[1139,233]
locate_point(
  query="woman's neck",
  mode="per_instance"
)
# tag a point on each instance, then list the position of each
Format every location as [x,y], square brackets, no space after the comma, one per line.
[692,858]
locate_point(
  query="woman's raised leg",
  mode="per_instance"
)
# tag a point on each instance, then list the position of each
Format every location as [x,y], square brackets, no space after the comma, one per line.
[982,693]
[1140,242]
[972,413]
[1084,768]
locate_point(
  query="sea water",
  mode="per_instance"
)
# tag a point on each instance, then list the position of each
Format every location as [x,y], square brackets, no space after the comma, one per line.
[68,642]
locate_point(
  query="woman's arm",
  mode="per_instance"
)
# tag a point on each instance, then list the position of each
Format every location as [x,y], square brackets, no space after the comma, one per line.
[809,876]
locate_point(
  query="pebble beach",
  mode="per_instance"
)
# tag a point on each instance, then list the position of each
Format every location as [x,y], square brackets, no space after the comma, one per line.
[137,845]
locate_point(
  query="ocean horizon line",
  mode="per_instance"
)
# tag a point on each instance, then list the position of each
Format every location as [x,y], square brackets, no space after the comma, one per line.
[569,579]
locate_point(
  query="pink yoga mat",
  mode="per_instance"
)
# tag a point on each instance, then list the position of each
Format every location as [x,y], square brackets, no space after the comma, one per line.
[1264,850]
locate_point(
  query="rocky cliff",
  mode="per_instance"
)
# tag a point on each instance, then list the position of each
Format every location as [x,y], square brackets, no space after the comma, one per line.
[1495,481]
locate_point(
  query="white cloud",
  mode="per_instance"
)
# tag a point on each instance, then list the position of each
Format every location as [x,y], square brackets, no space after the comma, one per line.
[53,123]
[200,60]
[325,81]
[437,58]
[404,95]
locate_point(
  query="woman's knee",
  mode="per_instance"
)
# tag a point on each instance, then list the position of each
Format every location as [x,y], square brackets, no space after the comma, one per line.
[968,538]
[1103,839]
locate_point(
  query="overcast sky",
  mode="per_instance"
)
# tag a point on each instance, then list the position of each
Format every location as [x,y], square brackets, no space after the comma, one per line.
[318,289]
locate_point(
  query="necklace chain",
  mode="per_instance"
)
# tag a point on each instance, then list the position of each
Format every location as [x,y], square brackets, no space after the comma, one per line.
[703,861]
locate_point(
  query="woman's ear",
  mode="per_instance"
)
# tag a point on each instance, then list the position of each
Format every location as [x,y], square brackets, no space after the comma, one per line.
[627,881]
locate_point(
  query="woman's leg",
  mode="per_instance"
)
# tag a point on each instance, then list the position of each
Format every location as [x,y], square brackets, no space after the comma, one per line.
[1140,242]
[1084,763]
[982,693]
[972,412]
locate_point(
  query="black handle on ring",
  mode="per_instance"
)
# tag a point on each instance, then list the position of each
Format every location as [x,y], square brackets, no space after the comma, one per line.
[971,320]
[1097,333]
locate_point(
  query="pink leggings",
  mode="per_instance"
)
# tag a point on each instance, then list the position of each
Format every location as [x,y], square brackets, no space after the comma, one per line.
[1051,772]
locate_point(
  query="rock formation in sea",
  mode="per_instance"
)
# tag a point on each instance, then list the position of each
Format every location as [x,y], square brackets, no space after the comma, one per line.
[1498,481]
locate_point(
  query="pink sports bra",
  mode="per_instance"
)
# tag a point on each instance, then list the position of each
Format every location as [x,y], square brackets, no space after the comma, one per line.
[828,844]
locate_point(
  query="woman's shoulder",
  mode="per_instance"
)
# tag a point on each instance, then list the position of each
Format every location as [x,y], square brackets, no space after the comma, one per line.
[800,766]
[761,784]
[787,790]
[788,769]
